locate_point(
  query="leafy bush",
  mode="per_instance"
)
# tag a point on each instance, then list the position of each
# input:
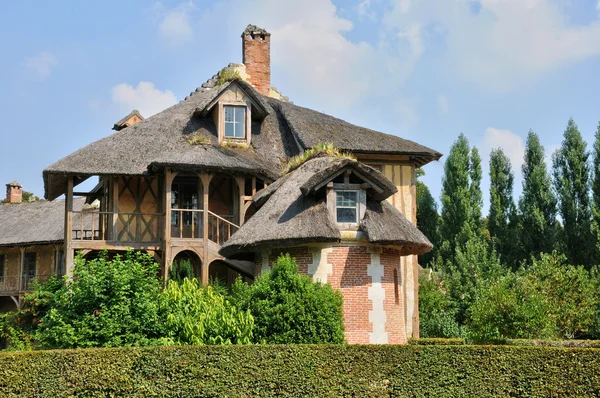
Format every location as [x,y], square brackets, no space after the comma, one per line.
[181,270]
[571,292]
[19,327]
[303,371]
[198,315]
[109,303]
[436,311]
[290,308]
[509,308]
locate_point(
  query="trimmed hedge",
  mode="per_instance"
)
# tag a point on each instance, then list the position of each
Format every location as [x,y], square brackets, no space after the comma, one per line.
[303,371]
[554,343]
[437,341]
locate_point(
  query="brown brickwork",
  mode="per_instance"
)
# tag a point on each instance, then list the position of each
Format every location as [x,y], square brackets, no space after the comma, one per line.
[349,274]
[14,193]
[256,50]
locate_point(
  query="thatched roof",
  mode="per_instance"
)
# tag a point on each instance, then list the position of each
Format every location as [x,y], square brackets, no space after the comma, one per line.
[35,223]
[283,130]
[311,127]
[289,216]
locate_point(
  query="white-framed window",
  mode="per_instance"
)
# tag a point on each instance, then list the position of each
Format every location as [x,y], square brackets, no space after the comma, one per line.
[346,206]
[235,121]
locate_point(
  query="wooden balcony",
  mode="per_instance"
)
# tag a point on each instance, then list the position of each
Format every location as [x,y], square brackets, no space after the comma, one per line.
[18,284]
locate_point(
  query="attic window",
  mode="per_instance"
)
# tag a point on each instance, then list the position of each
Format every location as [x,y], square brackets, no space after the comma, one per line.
[235,121]
[346,206]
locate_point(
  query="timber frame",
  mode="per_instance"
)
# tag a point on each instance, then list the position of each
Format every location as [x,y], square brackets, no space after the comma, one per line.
[136,212]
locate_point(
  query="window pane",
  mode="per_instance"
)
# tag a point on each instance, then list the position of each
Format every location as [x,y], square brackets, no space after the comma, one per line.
[240,114]
[30,264]
[1,265]
[229,130]
[239,130]
[229,114]
[346,214]
[346,198]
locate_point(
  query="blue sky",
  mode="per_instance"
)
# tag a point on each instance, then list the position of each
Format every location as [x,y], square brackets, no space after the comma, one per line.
[424,70]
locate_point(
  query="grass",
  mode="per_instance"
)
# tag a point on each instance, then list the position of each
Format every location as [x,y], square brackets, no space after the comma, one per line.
[196,139]
[226,75]
[234,145]
[320,149]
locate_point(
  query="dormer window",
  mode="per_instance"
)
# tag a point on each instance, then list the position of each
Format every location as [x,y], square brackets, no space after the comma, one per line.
[235,121]
[347,206]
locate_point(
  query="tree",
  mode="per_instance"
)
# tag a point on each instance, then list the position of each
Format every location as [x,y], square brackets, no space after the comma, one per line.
[502,215]
[289,308]
[108,303]
[461,197]
[427,218]
[571,181]
[596,192]
[537,205]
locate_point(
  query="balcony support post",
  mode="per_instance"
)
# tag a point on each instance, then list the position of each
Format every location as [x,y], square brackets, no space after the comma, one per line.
[205,178]
[169,177]
[69,228]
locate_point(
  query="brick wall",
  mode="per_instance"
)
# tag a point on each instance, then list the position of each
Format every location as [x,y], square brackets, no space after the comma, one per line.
[346,268]
[257,58]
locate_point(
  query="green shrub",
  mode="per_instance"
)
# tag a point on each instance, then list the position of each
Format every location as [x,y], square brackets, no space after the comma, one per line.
[571,292]
[436,311]
[509,308]
[18,328]
[303,371]
[181,270]
[289,307]
[197,315]
[436,341]
[108,303]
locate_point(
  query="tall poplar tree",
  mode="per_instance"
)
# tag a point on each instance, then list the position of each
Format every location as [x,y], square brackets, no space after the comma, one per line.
[537,205]
[427,218]
[571,181]
[461,197]
[596,193]
[502,215]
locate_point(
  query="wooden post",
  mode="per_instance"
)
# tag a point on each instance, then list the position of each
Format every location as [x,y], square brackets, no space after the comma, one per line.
[241,183]
[115,207]
[205,178]
[21,274]
[169,177]
[69,228]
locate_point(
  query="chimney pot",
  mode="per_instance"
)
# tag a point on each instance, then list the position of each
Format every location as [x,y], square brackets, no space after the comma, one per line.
[256,53]
[14,192]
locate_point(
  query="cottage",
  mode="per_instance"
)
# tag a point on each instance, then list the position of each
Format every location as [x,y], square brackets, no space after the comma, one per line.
[202,180]
[31,243]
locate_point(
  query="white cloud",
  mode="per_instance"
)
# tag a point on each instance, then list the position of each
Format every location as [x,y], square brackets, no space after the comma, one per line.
[511,144]
[146,98]
[413,36]
[504,43]
[598,5]
[42,64]
[442,102]
[175,28]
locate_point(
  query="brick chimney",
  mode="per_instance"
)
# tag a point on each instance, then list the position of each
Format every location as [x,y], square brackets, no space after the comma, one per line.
[256,48]
[14,192]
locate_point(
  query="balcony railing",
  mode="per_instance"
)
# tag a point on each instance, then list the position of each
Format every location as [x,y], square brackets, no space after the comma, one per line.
[146,227]
[119,227]
[16,283]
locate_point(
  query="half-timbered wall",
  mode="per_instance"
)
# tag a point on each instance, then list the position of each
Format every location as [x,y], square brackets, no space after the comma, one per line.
[139,209]
[45,265]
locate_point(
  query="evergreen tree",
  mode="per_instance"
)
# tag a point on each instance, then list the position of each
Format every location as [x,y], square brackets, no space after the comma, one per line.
[427,218]
[461,197]
[571,175]
[596,193]
[475,190]
[537,205]
[502,217]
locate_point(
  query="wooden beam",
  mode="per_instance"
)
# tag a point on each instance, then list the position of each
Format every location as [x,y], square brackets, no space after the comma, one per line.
[69,228]
[241,183]
[21,274]
[114,194]
[110,245]
[205,178]
[167,260]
